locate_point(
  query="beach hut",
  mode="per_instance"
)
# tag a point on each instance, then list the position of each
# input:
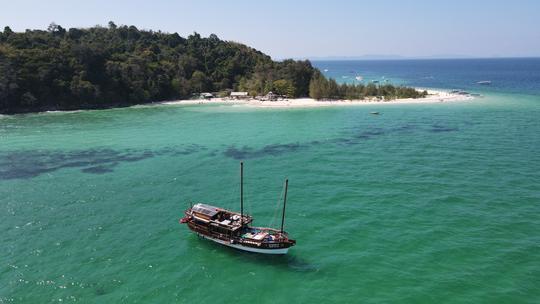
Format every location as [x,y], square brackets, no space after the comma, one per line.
[271,96]
[239,95]
[206,95]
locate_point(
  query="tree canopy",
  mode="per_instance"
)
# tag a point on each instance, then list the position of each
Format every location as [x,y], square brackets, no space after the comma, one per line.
[101,67]
[323,88]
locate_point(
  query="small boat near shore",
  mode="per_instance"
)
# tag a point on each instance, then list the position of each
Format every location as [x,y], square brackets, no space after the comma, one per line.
[234,229]
[460,92]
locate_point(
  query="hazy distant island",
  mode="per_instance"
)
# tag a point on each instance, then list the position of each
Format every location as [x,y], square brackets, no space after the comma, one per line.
[113,66]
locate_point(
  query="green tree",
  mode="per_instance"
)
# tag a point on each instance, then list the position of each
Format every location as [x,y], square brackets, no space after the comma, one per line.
[332,90]
[316,86]
[199,82]
[370,90]
[7,31]
[122,65]
[284,87]
[84,90]
[27,99]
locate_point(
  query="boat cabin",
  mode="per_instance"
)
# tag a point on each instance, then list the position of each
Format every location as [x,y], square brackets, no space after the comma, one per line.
[218,219]
[225,222]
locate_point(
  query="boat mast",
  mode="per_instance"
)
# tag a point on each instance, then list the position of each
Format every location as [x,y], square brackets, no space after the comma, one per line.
[242,193]
[284,204]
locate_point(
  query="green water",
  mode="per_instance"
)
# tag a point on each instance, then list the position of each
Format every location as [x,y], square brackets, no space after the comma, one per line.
[421,204]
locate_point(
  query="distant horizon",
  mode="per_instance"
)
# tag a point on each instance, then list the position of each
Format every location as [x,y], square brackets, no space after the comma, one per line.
[367,57]
[303,29]
[383,58]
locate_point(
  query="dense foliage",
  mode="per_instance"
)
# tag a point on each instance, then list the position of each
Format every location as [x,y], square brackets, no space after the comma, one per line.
[99,67]
[323,88]
[121,65]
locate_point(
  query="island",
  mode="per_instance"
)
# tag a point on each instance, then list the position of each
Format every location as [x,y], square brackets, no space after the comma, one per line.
[117,66]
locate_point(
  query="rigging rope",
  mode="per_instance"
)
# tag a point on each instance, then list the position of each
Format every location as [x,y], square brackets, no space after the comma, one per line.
[246,201]
[233,197]
[276,208]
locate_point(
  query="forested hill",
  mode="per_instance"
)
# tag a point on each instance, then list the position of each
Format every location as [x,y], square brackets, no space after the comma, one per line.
[100,67]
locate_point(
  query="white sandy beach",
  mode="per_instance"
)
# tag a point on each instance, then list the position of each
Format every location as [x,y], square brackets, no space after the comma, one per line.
[433,97]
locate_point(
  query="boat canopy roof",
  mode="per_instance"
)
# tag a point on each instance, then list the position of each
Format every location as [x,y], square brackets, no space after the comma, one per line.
[205,209]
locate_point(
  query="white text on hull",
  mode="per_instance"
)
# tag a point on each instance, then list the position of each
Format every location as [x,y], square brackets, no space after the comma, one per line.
[245,248]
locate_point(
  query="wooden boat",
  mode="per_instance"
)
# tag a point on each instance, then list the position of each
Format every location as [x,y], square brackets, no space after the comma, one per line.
[234,229]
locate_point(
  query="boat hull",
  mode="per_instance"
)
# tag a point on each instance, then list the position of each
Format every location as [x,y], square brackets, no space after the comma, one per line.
[245,248]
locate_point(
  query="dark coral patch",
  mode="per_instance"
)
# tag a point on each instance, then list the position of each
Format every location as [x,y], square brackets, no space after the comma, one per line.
[268,150]
[439,128]
[31,163]
[97,169]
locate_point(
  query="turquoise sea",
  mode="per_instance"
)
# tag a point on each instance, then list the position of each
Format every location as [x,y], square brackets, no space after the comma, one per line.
[425,203]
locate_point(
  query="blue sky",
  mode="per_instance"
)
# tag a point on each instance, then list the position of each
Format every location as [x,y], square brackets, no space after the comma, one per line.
[313,28]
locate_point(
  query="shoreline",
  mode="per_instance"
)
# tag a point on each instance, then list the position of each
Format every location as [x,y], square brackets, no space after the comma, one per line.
[434,96]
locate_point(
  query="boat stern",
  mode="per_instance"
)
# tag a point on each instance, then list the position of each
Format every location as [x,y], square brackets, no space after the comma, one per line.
[291,242]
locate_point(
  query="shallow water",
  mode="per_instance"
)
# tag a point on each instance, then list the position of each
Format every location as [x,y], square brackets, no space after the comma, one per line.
[423,203]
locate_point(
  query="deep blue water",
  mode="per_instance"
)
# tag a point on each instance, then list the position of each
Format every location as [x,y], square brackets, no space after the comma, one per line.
[508,75]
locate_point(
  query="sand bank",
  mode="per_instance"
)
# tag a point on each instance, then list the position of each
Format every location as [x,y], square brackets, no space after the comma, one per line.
[433,97]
